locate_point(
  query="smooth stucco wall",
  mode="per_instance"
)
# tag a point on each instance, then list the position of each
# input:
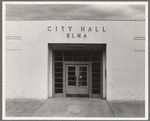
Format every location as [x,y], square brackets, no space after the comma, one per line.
[27,57]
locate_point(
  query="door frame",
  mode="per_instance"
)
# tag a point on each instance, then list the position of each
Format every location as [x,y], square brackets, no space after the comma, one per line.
[76,87]
[77,63]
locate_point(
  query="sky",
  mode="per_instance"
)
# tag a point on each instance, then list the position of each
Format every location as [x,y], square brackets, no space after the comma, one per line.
[74,12]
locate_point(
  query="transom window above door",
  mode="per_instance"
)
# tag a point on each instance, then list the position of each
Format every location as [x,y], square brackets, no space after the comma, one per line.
[77,56]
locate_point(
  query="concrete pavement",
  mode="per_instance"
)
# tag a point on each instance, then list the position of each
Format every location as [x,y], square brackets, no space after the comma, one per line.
[74,107]
[128,108]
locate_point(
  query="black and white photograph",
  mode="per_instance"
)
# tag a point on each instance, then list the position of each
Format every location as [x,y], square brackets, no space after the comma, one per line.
[75,60]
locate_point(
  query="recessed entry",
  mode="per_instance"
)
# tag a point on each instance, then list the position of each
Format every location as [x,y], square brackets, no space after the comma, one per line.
[79,72]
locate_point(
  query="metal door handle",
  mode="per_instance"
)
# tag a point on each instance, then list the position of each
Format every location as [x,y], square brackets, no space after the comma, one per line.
[80,76]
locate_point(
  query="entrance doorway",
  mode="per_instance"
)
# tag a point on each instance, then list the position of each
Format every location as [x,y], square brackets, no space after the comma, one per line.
[77,80]
[77,70]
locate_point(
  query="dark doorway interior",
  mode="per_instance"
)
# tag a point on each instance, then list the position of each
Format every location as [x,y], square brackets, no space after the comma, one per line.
[92,55]
[78,56]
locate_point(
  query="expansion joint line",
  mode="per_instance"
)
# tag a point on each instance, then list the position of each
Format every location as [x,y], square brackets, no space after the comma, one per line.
[39,107]
[111,109]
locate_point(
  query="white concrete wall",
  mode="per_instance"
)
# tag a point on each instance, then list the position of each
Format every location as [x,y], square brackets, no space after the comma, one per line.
[121,62]
[27,67]
[13,60]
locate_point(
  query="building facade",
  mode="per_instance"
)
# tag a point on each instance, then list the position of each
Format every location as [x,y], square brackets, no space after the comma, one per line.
[75,58]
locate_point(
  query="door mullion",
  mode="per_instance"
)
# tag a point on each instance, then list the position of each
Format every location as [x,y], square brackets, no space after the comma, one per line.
[77,79]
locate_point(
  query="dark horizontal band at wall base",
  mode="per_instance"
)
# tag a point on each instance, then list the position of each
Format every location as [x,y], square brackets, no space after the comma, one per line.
[77,95]
[96,96]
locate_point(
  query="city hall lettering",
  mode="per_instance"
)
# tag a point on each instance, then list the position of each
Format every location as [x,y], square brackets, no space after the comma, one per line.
[82,30]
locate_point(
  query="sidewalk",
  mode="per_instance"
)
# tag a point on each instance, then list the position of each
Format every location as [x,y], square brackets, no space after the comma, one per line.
[73,107]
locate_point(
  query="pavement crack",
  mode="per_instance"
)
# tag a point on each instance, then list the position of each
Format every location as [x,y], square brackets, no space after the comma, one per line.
[111,108]
[39,107]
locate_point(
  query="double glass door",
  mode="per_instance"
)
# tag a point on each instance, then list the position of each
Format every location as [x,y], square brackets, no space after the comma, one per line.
[77,77]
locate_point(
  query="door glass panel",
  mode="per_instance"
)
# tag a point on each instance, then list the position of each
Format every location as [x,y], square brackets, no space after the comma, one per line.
[81,83]
[82,76]
[71,69]
[83,69]
[83,73]
[71,83]
[71,76]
